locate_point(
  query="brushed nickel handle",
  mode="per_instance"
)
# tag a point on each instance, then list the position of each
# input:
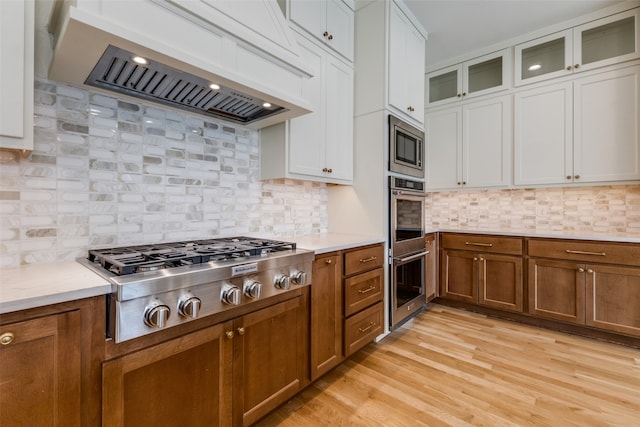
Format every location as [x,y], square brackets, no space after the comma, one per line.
[569,251]
[364,291]
[329,261]
[486,245]
[241,331]
[409,258]
[365,329]
[229,334]
[581,270]
[365,260]
[7,338]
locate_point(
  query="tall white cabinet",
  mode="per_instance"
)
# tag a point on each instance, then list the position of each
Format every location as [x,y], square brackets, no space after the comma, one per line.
[17,32]
[584,130]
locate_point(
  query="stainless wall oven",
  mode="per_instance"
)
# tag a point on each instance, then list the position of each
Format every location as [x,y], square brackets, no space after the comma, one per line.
[406,148]
[407,253]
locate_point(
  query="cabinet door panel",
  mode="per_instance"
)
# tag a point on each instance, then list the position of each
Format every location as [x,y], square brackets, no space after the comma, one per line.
[543,139]
[431,267]
[270,360]
[415,80]
[613,298]
[501,282]
[607,126]
[310,15]
[459,276]
[326,315]
[40,372]
[444,146]
[557,290]
[486,140]
[544,58]
[339,119]
[340,27]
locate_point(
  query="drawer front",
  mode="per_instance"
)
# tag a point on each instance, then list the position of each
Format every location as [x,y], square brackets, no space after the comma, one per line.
[360,329]
[483,243]
[362,290]
[363,259]
[610,253]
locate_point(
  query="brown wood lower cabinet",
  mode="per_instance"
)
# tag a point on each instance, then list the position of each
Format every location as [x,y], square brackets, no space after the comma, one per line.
[232,373]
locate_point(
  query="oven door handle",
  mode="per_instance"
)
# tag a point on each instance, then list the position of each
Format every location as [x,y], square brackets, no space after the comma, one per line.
[399,260]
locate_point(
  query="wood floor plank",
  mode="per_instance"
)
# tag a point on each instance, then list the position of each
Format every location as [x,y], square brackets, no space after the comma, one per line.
[448,367]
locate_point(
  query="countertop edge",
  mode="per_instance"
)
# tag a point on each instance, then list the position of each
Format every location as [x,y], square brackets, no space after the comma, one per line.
[540,235]
[54,298]
[332,242]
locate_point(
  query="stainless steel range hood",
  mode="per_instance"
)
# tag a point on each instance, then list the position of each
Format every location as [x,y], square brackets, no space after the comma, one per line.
[235,61]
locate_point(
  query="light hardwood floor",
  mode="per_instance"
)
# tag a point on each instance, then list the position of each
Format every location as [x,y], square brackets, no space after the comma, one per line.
[448,367]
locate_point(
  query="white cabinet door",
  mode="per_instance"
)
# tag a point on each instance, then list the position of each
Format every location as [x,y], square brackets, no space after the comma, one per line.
[310,15]
[486,142]
[339,120]
[307,132]
[406,66]
[444,148]
[16,74]
[340,28]
[607,126]
[543,135]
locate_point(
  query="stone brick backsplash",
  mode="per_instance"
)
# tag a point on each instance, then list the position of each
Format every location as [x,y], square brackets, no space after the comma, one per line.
[602,210]
[109,172]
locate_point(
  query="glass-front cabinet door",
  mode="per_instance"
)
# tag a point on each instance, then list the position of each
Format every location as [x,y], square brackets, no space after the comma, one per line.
[479,76]
[596,44]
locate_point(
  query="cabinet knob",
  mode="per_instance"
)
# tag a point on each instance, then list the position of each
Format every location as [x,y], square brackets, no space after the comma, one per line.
[576,66]
[325,34]
[568,176]
[577,177]
[410,108]
[241,331]
[569,67]
[581,270]
[475,258]
[330,37]
[590,271]
[324,169]
[229,334]
[329,261]
[330,170]
[464,182]
[7,338]
[459,95]
[459,183]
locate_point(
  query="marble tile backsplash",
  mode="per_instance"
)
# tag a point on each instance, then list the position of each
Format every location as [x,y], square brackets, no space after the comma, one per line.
[108,172]
[602,210]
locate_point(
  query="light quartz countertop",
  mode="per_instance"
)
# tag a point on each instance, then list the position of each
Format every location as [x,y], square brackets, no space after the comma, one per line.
[330,242]
[564,234]
[38,285]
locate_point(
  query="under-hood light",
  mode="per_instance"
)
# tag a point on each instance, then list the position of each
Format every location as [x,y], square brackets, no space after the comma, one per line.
[266,105]
[139,60]
[214,86]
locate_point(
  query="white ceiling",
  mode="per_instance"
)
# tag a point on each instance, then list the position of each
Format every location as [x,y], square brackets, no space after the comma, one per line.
[457,27]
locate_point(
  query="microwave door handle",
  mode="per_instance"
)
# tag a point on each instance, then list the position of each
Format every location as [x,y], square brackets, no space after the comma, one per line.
[410,258]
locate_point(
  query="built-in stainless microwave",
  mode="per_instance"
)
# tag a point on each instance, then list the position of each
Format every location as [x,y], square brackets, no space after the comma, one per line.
[406,148]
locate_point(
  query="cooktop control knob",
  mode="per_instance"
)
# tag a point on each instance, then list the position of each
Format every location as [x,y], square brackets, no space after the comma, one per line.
[282,282]
[299,278]
[252,289]
[230,294]
[156,315]
[189,306]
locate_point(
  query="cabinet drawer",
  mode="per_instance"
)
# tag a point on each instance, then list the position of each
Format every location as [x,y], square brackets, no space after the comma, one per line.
[363,259]
[362,290]
[483,243]
[360,329]
[610,253]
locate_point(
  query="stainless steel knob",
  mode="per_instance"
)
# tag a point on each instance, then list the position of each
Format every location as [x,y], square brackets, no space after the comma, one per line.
[189,306]
[282,282]
[252,289]
[156,315]
[230,294]
[299,278]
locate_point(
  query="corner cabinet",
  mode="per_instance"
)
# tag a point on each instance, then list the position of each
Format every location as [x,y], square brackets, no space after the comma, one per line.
[469,146]
[17,33]
[585,130]
[330,21]
[317,146]
[607,41]
[406,65]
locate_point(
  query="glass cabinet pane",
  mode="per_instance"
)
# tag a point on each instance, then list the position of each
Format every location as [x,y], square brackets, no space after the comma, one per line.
[543,58]
[443,86]
[608,41]
[485,75]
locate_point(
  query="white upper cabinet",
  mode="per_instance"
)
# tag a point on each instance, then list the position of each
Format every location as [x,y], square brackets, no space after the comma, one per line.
[586,130]
[330,21]
[406,65]
[595,44]
[17,31]
[468,146]
[477,77]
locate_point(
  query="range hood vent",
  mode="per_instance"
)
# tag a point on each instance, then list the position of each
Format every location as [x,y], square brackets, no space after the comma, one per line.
[117,71]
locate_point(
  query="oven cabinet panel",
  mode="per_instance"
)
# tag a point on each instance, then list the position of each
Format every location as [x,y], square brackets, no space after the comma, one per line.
[326,314]
[431,266]
[183,381]
[270,358]
[557,290]
[500,281]
[613,298]
[362,328]
[40,371]
[459,276]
